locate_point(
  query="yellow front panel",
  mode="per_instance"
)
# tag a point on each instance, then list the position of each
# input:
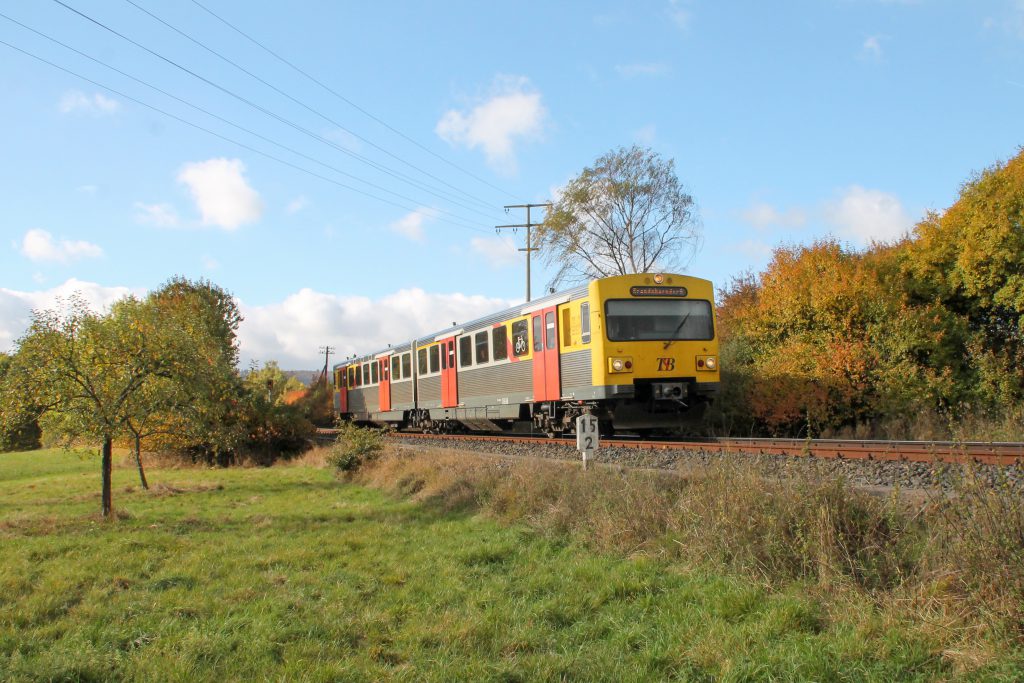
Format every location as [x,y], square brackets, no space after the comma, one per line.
[650,359]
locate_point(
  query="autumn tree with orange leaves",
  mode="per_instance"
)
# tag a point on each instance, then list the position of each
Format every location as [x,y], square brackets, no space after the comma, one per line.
[828,338]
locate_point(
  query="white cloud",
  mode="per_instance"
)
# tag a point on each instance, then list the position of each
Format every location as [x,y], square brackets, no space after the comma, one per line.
[210,263]
[764,216]
[297,204]
[290,331]
[87,189]
[96,104]
[679,15]
[871,49]
[39,245]
[221,193]
[498,251]
[16,306]
[646,134]
[512,112]
[755,250]
[160,215]
[864,215]
[344,139]
[1011,22]
[411,224]
[646,69]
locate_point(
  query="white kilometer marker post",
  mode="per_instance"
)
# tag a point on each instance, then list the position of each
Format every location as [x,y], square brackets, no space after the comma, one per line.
[587,438]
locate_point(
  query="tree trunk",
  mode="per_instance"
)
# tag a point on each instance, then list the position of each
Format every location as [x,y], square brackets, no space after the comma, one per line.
[108,448]
[138,461]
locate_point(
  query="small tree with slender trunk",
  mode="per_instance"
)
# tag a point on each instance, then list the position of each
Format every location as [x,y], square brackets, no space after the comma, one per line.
[83,371]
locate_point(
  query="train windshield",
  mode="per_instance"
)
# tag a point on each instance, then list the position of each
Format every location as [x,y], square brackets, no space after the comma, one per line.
[658,320]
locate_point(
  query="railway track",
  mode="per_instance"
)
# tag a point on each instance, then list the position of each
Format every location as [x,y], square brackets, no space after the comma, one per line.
[936,452]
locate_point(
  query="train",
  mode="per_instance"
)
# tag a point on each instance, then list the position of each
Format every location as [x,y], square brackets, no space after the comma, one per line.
[639,352]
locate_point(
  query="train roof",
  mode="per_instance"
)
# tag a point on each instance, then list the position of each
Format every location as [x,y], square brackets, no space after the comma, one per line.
[471,325]
[511,312]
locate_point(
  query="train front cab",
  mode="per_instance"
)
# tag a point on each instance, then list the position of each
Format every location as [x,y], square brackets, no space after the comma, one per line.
[656,349]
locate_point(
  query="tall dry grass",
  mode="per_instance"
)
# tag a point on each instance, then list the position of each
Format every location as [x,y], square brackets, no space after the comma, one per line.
[959,555]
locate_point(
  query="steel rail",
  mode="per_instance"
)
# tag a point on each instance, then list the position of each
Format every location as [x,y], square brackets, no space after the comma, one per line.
[938,452]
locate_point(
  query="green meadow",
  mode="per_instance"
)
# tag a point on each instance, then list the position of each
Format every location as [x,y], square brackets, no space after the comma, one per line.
[287,573]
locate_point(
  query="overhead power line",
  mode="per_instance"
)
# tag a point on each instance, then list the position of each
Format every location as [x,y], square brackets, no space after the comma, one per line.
[222,119]
[347,100]
[225,138]
[305,106]
[264,110]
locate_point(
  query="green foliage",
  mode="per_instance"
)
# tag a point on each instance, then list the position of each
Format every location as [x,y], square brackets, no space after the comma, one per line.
[355,446]
[19,431]
[201,411]
[272,427]
[628,213]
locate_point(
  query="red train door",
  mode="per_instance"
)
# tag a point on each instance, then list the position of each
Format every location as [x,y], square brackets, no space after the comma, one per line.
[385,384]
[546,378]
[341,390]
[449,380]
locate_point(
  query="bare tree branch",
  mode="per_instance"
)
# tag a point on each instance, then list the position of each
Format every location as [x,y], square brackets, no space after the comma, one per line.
[627,213]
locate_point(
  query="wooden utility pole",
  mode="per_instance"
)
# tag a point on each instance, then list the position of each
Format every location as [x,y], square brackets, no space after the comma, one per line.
[327,351]
[528,225]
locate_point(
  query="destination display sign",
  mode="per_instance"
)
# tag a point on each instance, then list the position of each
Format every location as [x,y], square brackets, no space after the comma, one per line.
[657,291]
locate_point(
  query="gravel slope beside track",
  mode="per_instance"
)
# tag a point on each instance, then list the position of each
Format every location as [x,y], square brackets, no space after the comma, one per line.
[906,473]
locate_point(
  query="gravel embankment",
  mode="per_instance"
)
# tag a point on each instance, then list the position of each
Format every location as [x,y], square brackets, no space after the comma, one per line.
[867,473]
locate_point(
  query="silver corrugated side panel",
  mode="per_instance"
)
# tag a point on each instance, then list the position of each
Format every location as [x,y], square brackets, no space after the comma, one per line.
[504,379]
[576,369]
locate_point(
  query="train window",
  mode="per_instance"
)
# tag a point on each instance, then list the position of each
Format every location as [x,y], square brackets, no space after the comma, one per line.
[396,368]
[435,358]
[366,374]
[499,342]
[421,361]
[585,323]
[549,324]
[538,334]
[520,337]
[407,365]
[444,358]
[659,320]
[465,352]
[481,347]
[374,373]
[451,354]
[351,378]
[566,327]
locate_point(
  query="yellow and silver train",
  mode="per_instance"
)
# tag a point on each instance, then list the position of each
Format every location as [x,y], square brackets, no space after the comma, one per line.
[640,352]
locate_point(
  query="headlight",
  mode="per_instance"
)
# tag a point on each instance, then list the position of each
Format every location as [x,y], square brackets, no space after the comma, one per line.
[707,363]
[620,365]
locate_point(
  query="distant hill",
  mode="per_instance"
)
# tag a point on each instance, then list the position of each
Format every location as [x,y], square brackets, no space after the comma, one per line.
[307,377]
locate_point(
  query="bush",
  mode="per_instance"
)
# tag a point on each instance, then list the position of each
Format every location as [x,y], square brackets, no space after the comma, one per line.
[355,447]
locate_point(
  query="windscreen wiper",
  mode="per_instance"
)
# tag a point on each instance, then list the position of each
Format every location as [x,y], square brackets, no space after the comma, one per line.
[676,331]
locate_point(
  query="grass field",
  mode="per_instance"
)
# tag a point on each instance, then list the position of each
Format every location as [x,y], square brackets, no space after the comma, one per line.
[285,573]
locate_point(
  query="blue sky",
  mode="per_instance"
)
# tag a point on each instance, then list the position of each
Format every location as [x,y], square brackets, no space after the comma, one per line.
[787,122]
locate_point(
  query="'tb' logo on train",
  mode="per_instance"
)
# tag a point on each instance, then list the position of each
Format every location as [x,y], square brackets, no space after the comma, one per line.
[666,364]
